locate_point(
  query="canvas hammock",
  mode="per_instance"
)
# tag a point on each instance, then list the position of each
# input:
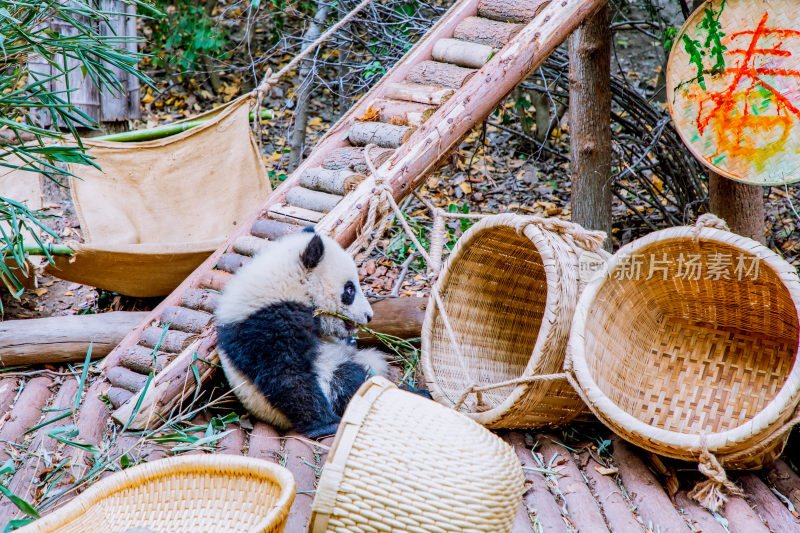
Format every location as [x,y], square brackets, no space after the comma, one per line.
[157,209]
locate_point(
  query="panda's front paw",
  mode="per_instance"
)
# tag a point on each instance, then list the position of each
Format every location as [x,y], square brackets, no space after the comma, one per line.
[321,431]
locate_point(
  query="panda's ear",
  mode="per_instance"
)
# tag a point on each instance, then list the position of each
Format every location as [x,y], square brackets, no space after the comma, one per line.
[312,255]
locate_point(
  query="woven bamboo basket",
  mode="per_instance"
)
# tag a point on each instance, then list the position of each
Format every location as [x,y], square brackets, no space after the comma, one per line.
[679,362]
[181,494]
[509,289]
[403,463]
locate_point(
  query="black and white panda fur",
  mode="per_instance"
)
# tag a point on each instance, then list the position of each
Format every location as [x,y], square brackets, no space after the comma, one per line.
[288,366]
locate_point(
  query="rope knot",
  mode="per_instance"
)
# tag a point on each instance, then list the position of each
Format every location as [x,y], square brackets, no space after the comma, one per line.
[713,492]
[708,220]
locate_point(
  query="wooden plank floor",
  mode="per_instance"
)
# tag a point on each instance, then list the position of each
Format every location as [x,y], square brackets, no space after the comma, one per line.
[579,479]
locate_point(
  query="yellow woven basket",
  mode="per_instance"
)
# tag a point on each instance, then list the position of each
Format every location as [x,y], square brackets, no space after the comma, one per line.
[181,494]
[509,289]
[678,359]
[403,463]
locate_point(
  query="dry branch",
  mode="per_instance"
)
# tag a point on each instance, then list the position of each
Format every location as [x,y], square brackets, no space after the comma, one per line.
[249,245]
[400,317]
[63,338]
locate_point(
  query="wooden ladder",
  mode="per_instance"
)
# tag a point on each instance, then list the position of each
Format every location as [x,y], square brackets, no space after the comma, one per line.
[418,113]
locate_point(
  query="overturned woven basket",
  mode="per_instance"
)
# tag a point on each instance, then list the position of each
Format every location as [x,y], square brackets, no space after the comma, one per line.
[688,346]
[181,494]
[508,289]
[401,462]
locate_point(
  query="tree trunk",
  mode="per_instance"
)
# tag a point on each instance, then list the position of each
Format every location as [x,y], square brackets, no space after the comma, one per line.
[590,122]
[739,204]
[298,140]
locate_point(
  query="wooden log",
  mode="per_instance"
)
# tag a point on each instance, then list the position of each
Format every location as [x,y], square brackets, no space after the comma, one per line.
[584,512]
[440,74]
[63,338]
[140,359]
[411,163]
[783,478]
[698,516]
[272,229]
[171,341]
[187,320]
[384,135]
[26,412]
[462,53]
[616,508]
[200,300]
[340,181]
[522,520]
[741,517]
[299,455]
[265,443]
[233,442]
[214,280]
[590,122]
[23,482]
[486,31]
[313,200]
[295,215]
[8,391]
[537,498]
[249,245]
[417,92]
[123,378]
[91,426]
[401,113]
[511,11]
[768,506]
[172,386]
[401,317]
[645,491]
[352,158]
[118,396]
[231,262]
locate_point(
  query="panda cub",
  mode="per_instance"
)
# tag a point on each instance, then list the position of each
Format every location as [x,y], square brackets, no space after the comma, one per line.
[288,366]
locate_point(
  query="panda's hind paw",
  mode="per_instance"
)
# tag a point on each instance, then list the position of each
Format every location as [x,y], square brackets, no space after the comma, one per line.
[321,431]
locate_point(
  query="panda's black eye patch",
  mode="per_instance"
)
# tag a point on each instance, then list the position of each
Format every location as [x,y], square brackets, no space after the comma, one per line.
[349,293]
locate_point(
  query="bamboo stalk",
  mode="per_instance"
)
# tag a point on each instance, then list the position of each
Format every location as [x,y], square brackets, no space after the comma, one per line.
[164,130]
[51,249]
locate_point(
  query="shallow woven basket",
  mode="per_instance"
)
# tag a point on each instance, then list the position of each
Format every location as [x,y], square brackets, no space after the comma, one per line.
[181,494]
[675,364]
[401,462]
[509,289]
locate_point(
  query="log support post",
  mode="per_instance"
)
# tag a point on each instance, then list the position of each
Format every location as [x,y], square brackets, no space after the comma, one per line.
[739,204]
[590,122]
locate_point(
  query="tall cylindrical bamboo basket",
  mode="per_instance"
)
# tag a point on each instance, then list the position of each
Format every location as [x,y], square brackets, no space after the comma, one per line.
[677,361]
[181,495]
[401,462]
[509,289]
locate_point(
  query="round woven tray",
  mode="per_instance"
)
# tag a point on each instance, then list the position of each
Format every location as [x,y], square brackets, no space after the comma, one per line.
[181,494]
[741,118]
[401,462]
[509,289]
[682,360]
